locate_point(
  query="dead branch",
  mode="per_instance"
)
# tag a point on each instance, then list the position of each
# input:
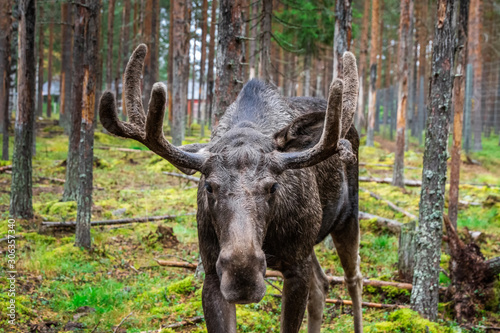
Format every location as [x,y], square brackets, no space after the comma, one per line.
[386,166]
[365,304]
[393,225]
[128,150]
[185,322]
[10,237]
[72,224]
[493,266]
[411,183]
[180,175]
[390,204]
[121,322]
[5,168]
[180,264]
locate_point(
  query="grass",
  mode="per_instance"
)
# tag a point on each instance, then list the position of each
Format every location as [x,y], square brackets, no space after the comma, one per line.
[56,280]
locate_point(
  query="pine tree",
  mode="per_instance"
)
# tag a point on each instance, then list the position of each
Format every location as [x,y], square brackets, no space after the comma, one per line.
[5,41]
[373,72]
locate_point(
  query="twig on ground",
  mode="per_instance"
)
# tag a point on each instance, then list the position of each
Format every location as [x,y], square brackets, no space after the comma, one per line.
[365,304]
[119,221]
[128,150]
[393,225]
[386,166]
[121,322]
[273,285]
[407,182]
[96,326]
[390,204]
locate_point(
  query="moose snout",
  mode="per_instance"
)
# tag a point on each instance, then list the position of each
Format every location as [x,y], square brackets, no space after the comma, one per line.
[241,275]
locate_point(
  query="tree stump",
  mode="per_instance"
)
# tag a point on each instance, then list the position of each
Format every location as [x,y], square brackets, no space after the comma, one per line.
[406,252]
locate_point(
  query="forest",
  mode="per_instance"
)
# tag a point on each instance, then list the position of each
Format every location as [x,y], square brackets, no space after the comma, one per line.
[100,234]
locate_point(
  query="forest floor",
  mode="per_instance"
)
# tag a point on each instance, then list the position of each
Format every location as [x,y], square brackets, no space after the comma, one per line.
[64,288]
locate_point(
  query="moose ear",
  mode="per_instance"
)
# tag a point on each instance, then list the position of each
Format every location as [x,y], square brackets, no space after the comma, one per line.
[303,133]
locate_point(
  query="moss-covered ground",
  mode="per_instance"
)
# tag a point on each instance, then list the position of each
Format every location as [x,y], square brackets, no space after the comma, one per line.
[61,287]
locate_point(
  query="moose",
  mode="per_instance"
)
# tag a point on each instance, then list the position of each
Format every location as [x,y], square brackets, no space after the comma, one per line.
[277,177]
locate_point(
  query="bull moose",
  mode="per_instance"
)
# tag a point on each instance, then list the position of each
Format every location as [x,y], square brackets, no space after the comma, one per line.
[277,177]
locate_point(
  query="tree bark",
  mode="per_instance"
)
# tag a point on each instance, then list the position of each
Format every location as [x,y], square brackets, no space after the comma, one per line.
[193,78]
[170,64]
[421,16]
[151,70]
[49,71]
[5,41]
[363,52]
[458,106]
[203,60]
[73,158]
[373,73]
[90,64]
[252,59]
[424,297]
[406,252]
[125,32]
[342,35]
[180,59]
[109,58]
[211,57]
[403,67]
[66,66]
[21,205]
[265,39]
[475,58]
[41,48]
[229,53]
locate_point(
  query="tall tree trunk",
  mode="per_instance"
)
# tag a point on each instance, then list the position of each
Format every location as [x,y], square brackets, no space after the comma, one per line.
[73,159]
[342,36]
[378,83]
[265,39]
[151,72]
[170,64]
[253,41]
[49,74]
[41,48]
[403,68]
[475,59]
[66,66]
[5,27]
[203,60]
[180,58]
[229,53]
[211,56]
[90,64]
[193,78]
[307,75]
[373,72]
[423,35]
[118,64]
[109,58]
[424,296]
[21,205]
[458,106]
[363,52]
[125,32]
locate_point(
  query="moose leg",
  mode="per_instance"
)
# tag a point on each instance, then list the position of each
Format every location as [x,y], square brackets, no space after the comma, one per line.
[220,315]
[295,293]
[318,288]
[347,245]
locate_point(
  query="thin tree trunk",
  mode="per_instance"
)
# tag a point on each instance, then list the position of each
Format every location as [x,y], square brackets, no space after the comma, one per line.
[403,67]
[5,47]
[193,78]
[424,297]
[475,58]
[180,58]
[342,36]
[21,205]
[90,64]
[229,53]
[170,64]
[211,56]
[307,75]
[458,106]
[151,72]
[49,75]
[203,60]
[422,32]
[253,42]
[118,64]
[363,52]
[73,158]
[125,41]
[109,58]
[265,39]
[41,48]
[373,72]
[67,43]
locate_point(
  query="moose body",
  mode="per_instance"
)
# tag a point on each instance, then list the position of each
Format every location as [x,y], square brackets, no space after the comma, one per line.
[278,176]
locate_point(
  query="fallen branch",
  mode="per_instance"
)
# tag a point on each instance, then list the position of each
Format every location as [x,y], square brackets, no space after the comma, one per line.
[469,203]
[55,180]
[493,266]
[393,225]
[407,182]
[390,204]
[185,322]
[5,168]
[119,221]
[386,166]
[180,175]
[365,304]
[128,150]
[121,322]
[180,264]
[10,237]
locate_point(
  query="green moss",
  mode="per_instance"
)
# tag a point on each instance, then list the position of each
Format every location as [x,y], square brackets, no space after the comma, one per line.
[183,287]
[406,320]
[39,239]
[55,209]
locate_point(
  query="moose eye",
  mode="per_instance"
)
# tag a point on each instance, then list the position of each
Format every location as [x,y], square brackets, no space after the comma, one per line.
[273,188]
[208,187]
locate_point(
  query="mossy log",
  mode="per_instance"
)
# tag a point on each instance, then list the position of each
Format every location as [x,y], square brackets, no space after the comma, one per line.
[393,225]
[391,205]
[5,168]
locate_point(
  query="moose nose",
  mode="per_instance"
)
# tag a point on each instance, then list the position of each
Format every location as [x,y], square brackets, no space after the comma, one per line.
[242,275]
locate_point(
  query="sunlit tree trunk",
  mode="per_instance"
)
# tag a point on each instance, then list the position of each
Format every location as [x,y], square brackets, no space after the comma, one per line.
[475,59]
[21,205]
[424,296]
[73,159]
[211,56]
[421,30]
[90,64]
[373,73]
[363,52]
[5,57]
[229,53]
[458,106]
[403,68]
[49,71]
[193,78]
[151,69]
[203,60]
[125,33]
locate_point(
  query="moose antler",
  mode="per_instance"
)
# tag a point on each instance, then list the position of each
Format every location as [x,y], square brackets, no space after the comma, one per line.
[342,98]
[147,131]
